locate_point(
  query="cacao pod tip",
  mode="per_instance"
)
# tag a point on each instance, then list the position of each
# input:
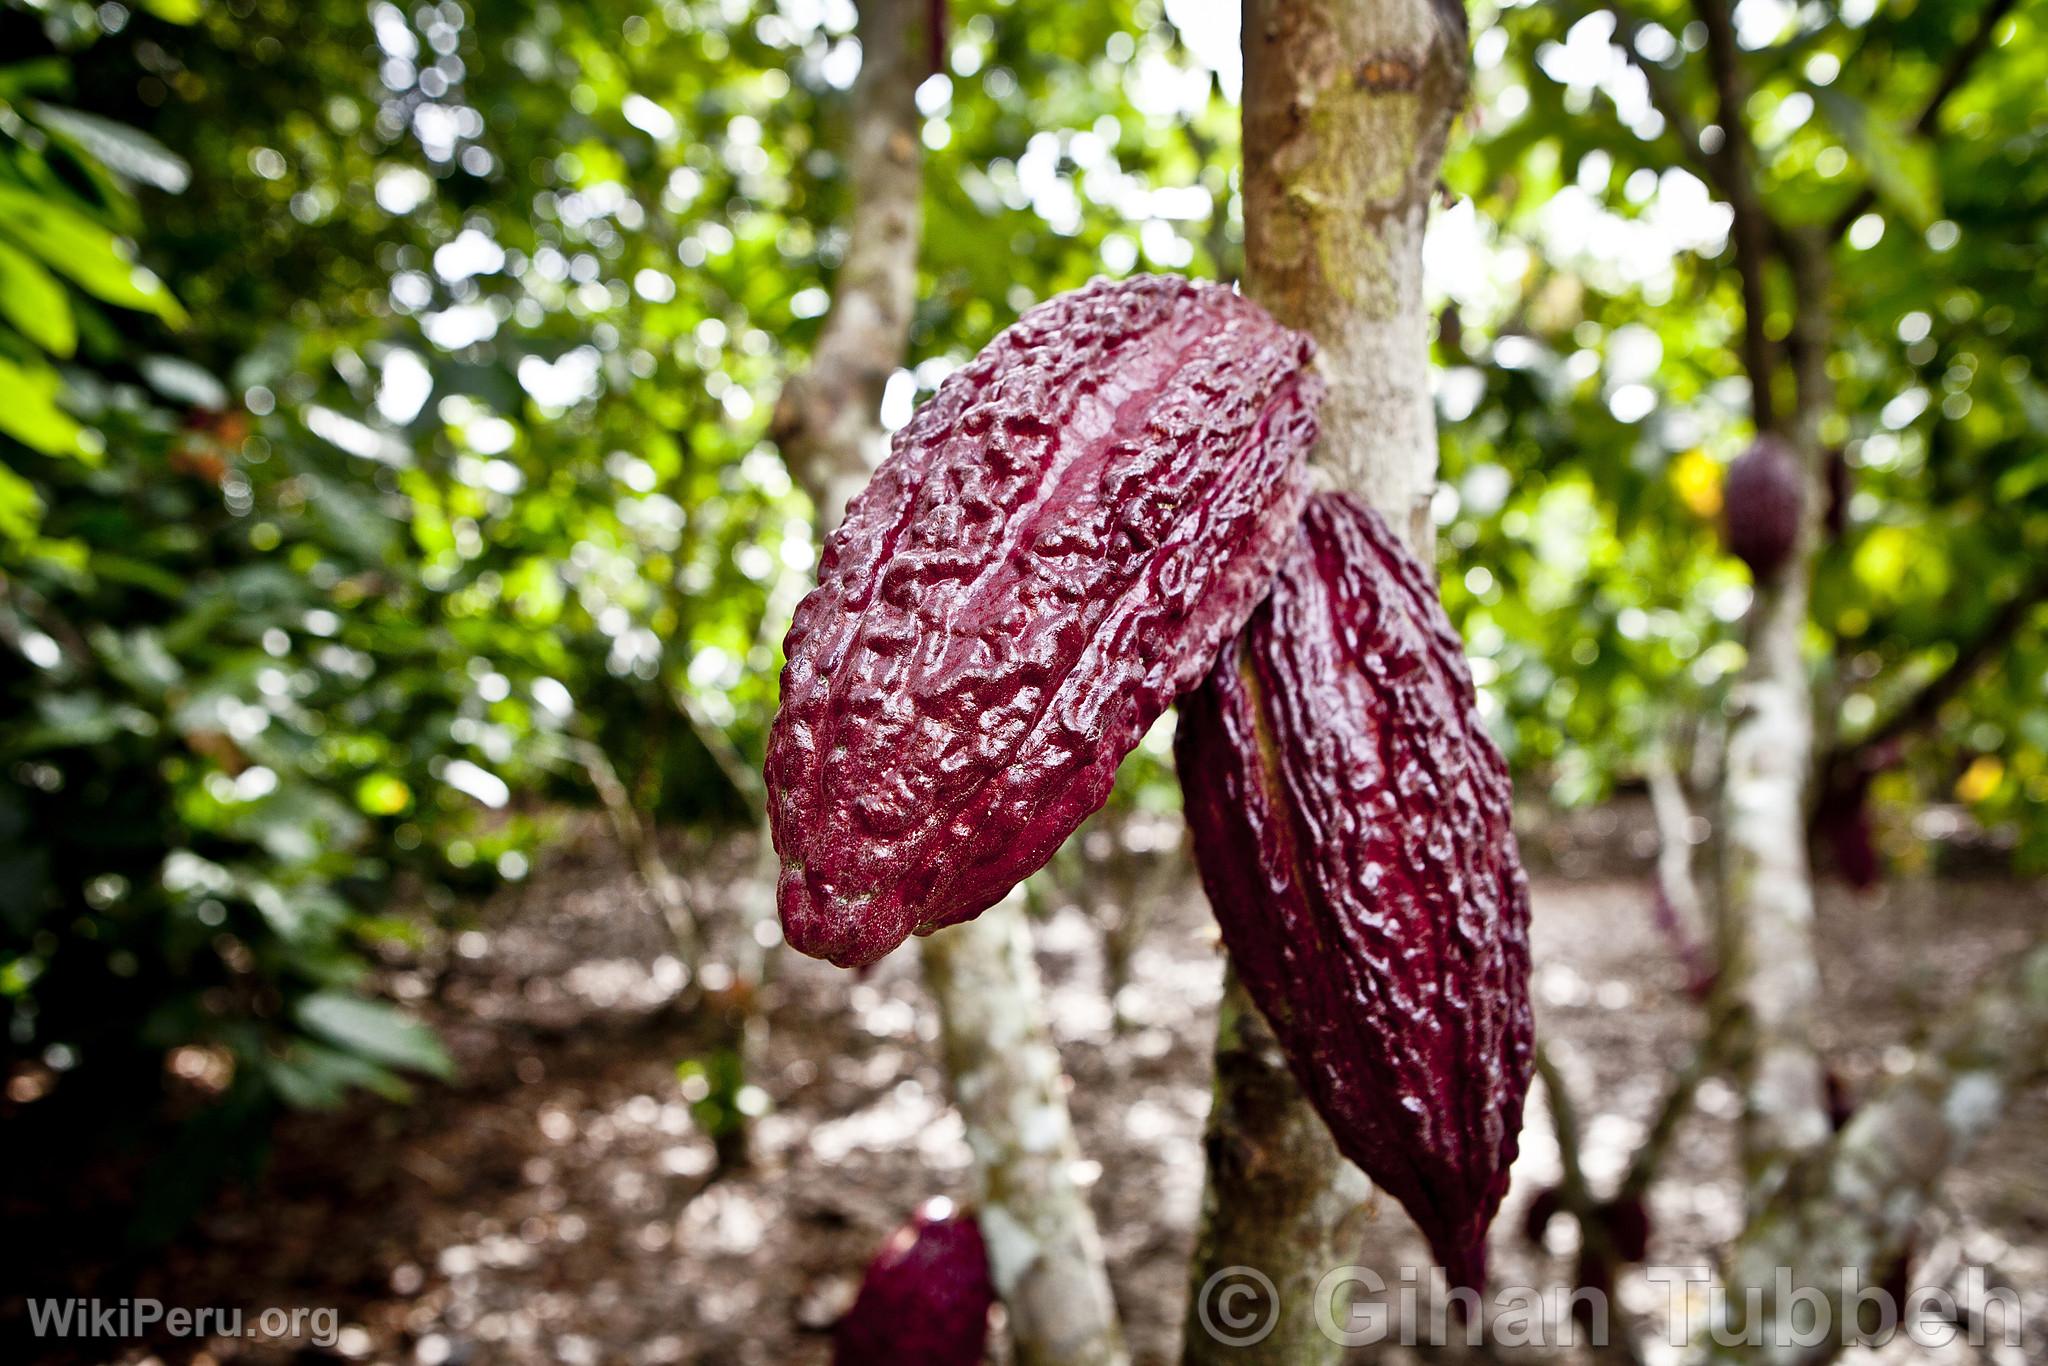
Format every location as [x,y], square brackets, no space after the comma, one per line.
[845,932]
[1465,1269]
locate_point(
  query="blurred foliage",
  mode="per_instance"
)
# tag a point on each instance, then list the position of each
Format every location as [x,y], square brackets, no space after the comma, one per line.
[386,392]
[1592,391]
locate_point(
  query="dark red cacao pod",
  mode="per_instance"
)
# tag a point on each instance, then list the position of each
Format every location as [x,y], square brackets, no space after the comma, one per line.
[1762,503]
[925,1298]
[1055,548]
[1351,821]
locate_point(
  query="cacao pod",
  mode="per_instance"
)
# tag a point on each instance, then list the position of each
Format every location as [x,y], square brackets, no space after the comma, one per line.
[1762,504]
[1351,822]
[925,1298]
[1056,547]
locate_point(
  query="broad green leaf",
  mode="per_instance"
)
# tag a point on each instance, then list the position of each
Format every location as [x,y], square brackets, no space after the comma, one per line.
[21,509]
[124,150]
[311,1076]
[46,74]
[88,253]
[176,11]
[374,1030]
[29,411]
[34,302]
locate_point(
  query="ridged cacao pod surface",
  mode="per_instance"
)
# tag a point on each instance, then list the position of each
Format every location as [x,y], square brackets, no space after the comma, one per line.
[1762,502]
[1057,545]
[925,1298]
[1351,822]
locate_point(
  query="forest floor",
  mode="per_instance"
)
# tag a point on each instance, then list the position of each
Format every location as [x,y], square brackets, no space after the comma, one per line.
[556,1202]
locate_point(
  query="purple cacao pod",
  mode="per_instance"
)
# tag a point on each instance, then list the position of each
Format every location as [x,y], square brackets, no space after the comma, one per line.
[1762,504]
[1055,548]
[1351,821]
[925,1298]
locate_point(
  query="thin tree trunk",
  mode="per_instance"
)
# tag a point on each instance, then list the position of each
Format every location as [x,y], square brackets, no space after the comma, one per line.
[1768,978]
[826,420]
[1768,981]
[1004,1071]
[1347,108]
[1010,1088]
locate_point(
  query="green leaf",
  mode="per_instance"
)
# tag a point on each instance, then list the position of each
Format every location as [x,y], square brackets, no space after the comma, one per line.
[47,74]
[21,508]
[1902,168]
[313,1077]
[83,250]
[30,413]
[34,302]
[124,150]
[176,11]
[375,1031]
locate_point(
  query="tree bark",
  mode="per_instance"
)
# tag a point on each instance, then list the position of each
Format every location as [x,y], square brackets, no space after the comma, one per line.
[825,421]
[1768,978]
[1003,1068]
[1854,1202]
[1348,105]
[1007,1081]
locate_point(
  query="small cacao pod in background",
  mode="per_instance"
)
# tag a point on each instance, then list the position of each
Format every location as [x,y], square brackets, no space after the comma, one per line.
[1351,822]
[1762,503]
[925,1298]
[1055,548]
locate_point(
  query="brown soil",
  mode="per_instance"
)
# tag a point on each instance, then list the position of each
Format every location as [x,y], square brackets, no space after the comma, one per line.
[558,1203]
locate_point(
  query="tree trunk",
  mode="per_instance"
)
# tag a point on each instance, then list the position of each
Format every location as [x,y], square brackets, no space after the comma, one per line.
[826,420]
[1000,1060]
[1008,1083]
[1347,108]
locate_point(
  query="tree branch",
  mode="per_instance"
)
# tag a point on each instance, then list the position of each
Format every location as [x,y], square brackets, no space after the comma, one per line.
[1009,1086]
[1871,750]
[1754,231]
[826,420]
[1854,1202]
[1953,74]
[1680,911]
